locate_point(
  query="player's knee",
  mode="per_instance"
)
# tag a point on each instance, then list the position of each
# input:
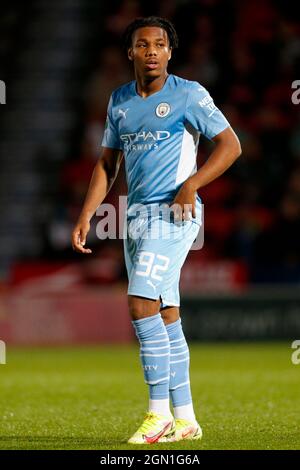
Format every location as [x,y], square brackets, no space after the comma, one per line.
[141,308]
[170,314]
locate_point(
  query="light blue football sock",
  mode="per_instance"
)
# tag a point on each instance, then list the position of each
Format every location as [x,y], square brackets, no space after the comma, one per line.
[180,389]
[154,354]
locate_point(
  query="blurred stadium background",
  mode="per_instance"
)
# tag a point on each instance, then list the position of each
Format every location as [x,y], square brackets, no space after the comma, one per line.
[60,60]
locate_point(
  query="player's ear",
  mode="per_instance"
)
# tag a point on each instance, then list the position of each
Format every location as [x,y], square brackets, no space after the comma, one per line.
[170,53]
[130,53]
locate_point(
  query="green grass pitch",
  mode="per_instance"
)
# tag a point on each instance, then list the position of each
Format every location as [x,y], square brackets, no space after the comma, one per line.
[246,396]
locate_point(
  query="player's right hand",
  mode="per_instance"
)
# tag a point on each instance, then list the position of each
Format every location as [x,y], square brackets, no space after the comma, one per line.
[79,234]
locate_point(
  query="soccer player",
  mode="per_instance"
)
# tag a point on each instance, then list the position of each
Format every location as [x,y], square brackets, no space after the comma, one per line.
[155,122]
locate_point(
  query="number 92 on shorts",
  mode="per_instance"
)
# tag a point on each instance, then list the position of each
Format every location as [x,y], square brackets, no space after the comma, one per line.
[155,250]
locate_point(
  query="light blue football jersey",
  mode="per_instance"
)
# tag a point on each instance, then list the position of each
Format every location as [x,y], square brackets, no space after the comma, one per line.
[159,135]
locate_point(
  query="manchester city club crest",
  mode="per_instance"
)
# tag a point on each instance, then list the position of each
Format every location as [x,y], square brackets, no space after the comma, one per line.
[162,110]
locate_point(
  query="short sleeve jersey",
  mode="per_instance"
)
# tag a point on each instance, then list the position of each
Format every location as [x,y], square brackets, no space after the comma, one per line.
[159,135]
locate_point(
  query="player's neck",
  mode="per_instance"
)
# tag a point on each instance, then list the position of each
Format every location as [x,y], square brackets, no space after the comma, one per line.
[146,86]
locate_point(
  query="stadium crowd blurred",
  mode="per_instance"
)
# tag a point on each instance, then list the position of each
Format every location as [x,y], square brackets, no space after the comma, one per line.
[246,54]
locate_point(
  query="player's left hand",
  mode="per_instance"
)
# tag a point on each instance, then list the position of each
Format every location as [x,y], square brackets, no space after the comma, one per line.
[184,204]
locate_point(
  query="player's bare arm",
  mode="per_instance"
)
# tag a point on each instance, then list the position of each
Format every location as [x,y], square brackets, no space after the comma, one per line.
[227,150]
[103,177]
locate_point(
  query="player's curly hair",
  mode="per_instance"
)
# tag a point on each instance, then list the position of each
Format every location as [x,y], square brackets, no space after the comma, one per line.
[150,21]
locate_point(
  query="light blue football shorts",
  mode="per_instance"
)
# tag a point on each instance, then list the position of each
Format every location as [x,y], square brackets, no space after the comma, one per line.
[155,248]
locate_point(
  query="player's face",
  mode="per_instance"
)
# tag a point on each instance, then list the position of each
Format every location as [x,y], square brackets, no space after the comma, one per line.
[150,51]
